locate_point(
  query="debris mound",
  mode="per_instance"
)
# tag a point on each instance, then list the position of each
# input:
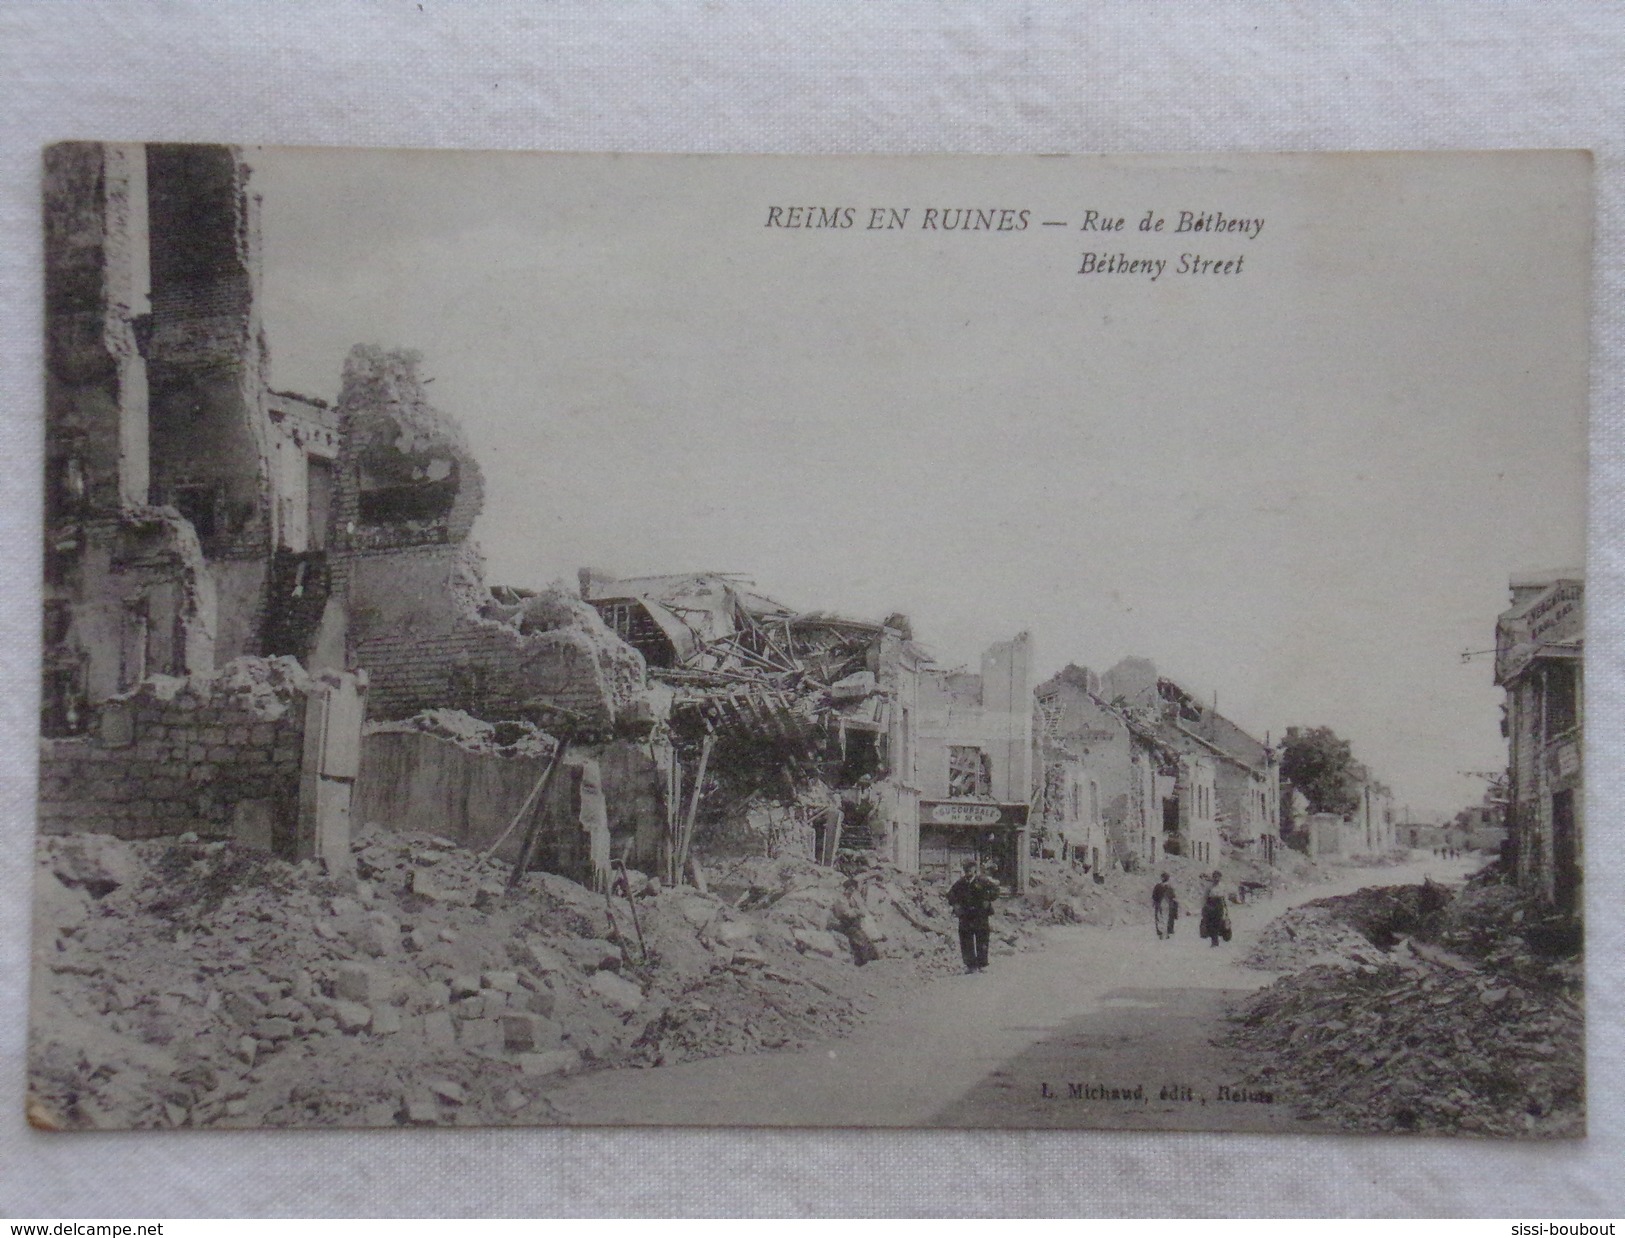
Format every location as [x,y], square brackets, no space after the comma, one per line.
[1310,936]
[517,739]
[187,982]
[1426,1049]
[1347,930]
[1461,1028]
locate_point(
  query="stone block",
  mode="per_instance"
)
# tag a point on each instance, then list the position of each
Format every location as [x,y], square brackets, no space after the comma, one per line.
[242,1009]
[481,1034]
[544,959]
[422,1111]
[493,1002]
[356,982]
[274,1029]
[386,1020]
[447,1091]
[617,991]
[505,981]
[351,1016]
[464,986]
[817,941]
[518,1033]
[438,1029]
[541,1001]
[376,934]
[554,1062]
[732,933]
[593,954]
[426,884]
[94,863]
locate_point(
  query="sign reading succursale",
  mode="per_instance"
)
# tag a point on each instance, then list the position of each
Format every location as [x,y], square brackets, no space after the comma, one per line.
[962,812]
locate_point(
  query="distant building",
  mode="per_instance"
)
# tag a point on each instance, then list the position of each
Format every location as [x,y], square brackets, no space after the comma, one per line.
[1373,820]
[1482,826]
[1539,661]
[1097,774]
[1221,781]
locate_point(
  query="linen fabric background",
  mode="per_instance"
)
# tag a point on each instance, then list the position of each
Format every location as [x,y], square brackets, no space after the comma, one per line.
[820,76]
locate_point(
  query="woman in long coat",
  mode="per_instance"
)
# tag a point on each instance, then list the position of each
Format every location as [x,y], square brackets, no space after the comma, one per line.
[1215,915]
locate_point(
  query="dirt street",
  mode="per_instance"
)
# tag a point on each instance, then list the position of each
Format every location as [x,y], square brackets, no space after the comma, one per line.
[1102,1008]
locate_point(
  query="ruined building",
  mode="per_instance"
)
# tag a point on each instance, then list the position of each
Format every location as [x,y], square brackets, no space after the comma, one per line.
[1103,773]
[1540,661]
[1134,758]
[176,485]
[229,568]
[1225,783]
[804,723]
[417,611]
[465,679]
[974,765]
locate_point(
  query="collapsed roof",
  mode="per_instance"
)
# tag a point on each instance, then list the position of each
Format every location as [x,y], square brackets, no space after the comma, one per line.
[740,661]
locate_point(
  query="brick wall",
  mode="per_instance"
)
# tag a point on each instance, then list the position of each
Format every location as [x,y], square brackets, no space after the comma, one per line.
[491,670]
[152,767]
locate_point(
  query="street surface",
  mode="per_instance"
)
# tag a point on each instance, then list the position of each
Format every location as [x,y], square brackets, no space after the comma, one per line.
[1097,1007]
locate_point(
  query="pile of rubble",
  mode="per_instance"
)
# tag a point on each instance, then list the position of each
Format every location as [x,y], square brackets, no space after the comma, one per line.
[519,739]
[1311,936]
[1348,930]
[201,983]
[1424,1038]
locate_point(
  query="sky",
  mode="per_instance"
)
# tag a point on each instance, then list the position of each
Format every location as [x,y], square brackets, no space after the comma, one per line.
[1300,487]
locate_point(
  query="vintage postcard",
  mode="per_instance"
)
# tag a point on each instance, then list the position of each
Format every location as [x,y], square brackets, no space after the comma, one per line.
[711,640]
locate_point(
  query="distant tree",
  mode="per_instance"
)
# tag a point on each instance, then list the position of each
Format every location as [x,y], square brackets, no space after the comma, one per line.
[1321,765]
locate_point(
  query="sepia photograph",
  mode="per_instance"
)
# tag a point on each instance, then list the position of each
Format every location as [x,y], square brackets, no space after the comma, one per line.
[991,642]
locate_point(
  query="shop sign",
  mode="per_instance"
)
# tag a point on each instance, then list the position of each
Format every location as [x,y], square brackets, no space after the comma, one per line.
[961,813]
[1556,616]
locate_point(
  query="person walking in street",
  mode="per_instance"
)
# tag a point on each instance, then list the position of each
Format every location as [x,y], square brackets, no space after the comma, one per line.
[972,898]
[1215,915]
[1164,907]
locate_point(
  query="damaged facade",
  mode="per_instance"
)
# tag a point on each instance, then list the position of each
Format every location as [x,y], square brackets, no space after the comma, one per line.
[416,609]
[170,501]
[1173,776]
[1540,662]
[1226,784]
[974,765]
[197,519]
[804,722]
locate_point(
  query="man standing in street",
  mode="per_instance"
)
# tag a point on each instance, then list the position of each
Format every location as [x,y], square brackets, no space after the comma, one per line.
[972,898]
[1164,907]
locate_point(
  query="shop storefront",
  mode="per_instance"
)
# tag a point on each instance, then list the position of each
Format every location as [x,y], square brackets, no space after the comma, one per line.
[952,831]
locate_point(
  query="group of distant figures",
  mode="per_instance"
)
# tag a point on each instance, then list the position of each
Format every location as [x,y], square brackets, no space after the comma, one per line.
[1215,921]
[974,895]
